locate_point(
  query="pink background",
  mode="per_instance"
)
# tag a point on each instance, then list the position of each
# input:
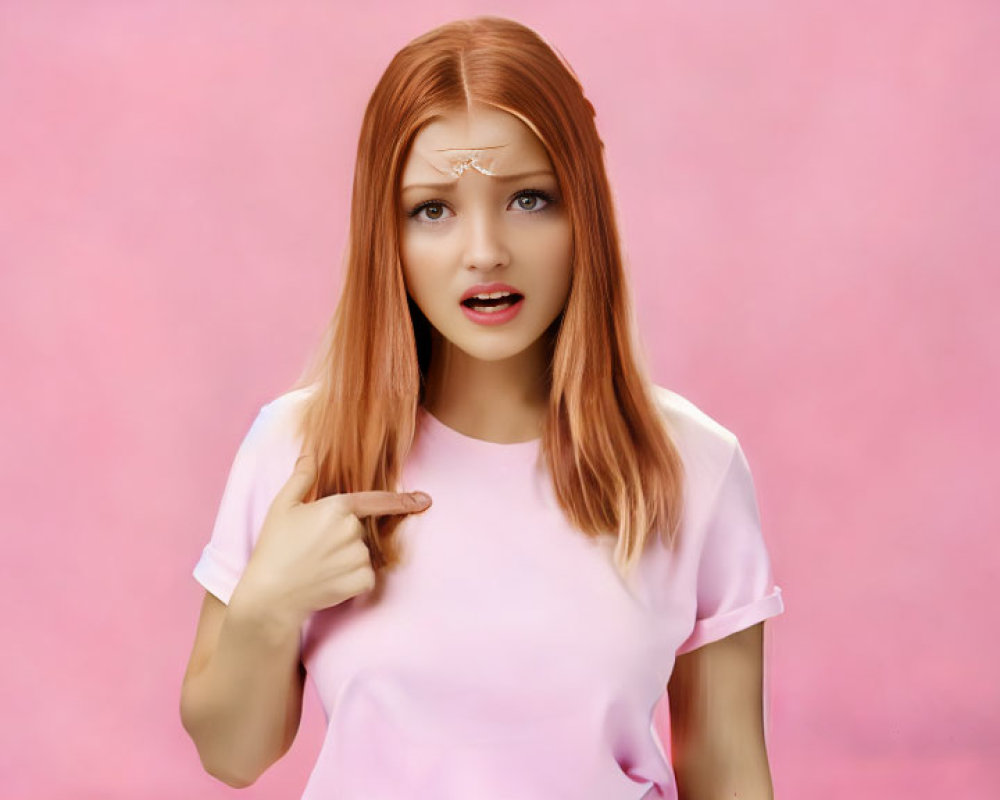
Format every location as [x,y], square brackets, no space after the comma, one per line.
[808,194]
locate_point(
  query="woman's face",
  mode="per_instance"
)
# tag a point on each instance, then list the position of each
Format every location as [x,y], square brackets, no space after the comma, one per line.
[480,205]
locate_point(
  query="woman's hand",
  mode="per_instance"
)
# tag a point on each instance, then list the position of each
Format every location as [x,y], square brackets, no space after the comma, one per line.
[311,556]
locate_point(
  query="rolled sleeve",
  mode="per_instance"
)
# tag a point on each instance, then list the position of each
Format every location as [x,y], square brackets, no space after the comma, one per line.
[735,585]
[237,522]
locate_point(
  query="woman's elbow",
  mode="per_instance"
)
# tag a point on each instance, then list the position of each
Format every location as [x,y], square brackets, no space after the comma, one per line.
[231,779]
[211,753]
[231,774]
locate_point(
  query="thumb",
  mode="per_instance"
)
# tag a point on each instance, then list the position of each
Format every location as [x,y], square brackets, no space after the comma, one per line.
[299,482]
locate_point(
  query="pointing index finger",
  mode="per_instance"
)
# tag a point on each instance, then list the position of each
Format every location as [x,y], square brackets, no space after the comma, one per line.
[378,503]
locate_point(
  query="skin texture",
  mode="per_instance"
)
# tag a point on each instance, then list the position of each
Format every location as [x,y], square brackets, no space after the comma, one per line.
[482,224]
[716,720]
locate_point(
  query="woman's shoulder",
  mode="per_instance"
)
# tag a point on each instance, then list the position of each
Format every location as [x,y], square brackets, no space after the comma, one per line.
[701,439]
[277,422]
[290,403]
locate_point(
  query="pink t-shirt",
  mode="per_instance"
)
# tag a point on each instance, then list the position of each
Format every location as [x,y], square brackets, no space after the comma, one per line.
[506,658]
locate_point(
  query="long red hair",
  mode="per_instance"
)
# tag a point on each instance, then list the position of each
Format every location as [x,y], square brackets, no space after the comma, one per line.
[613,466]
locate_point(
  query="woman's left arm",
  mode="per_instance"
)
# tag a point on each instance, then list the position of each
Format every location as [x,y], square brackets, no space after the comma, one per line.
[717,720]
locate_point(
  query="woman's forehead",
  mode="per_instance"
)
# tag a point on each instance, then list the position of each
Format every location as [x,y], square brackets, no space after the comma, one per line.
[484,140]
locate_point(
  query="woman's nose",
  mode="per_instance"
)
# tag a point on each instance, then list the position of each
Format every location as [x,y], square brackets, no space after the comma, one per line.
[485,241]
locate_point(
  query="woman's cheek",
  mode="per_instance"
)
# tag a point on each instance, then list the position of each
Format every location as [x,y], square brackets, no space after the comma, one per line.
[425,267]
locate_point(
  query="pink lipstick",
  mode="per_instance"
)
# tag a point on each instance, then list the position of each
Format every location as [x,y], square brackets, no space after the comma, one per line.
[491,303]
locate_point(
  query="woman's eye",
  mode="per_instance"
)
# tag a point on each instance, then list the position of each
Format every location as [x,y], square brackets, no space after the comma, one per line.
[531,201]
[432,211]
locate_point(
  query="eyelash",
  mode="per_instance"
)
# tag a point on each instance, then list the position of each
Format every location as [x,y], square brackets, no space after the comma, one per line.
[549,200]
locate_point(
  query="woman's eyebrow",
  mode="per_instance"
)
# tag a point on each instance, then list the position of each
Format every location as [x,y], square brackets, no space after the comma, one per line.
[502,178]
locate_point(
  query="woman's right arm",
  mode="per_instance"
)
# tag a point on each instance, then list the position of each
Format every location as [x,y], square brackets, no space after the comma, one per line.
[241,699]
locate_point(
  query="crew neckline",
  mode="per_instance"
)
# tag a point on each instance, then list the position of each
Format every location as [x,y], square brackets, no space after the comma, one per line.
[440,430]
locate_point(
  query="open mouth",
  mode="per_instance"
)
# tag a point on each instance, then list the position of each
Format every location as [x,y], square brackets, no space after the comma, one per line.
[491,305]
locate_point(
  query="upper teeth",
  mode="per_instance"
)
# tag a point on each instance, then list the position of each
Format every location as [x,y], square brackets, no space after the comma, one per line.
[492,296]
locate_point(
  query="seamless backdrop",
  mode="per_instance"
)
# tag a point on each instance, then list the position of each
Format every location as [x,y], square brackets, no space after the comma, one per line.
[807,193]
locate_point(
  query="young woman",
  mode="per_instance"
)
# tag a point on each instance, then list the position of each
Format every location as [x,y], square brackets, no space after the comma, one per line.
[489,539]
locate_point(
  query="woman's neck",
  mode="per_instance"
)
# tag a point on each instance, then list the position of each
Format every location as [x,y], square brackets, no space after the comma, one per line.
[498,401]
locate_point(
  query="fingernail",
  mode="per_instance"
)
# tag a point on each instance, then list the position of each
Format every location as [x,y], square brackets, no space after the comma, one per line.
[421,497]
